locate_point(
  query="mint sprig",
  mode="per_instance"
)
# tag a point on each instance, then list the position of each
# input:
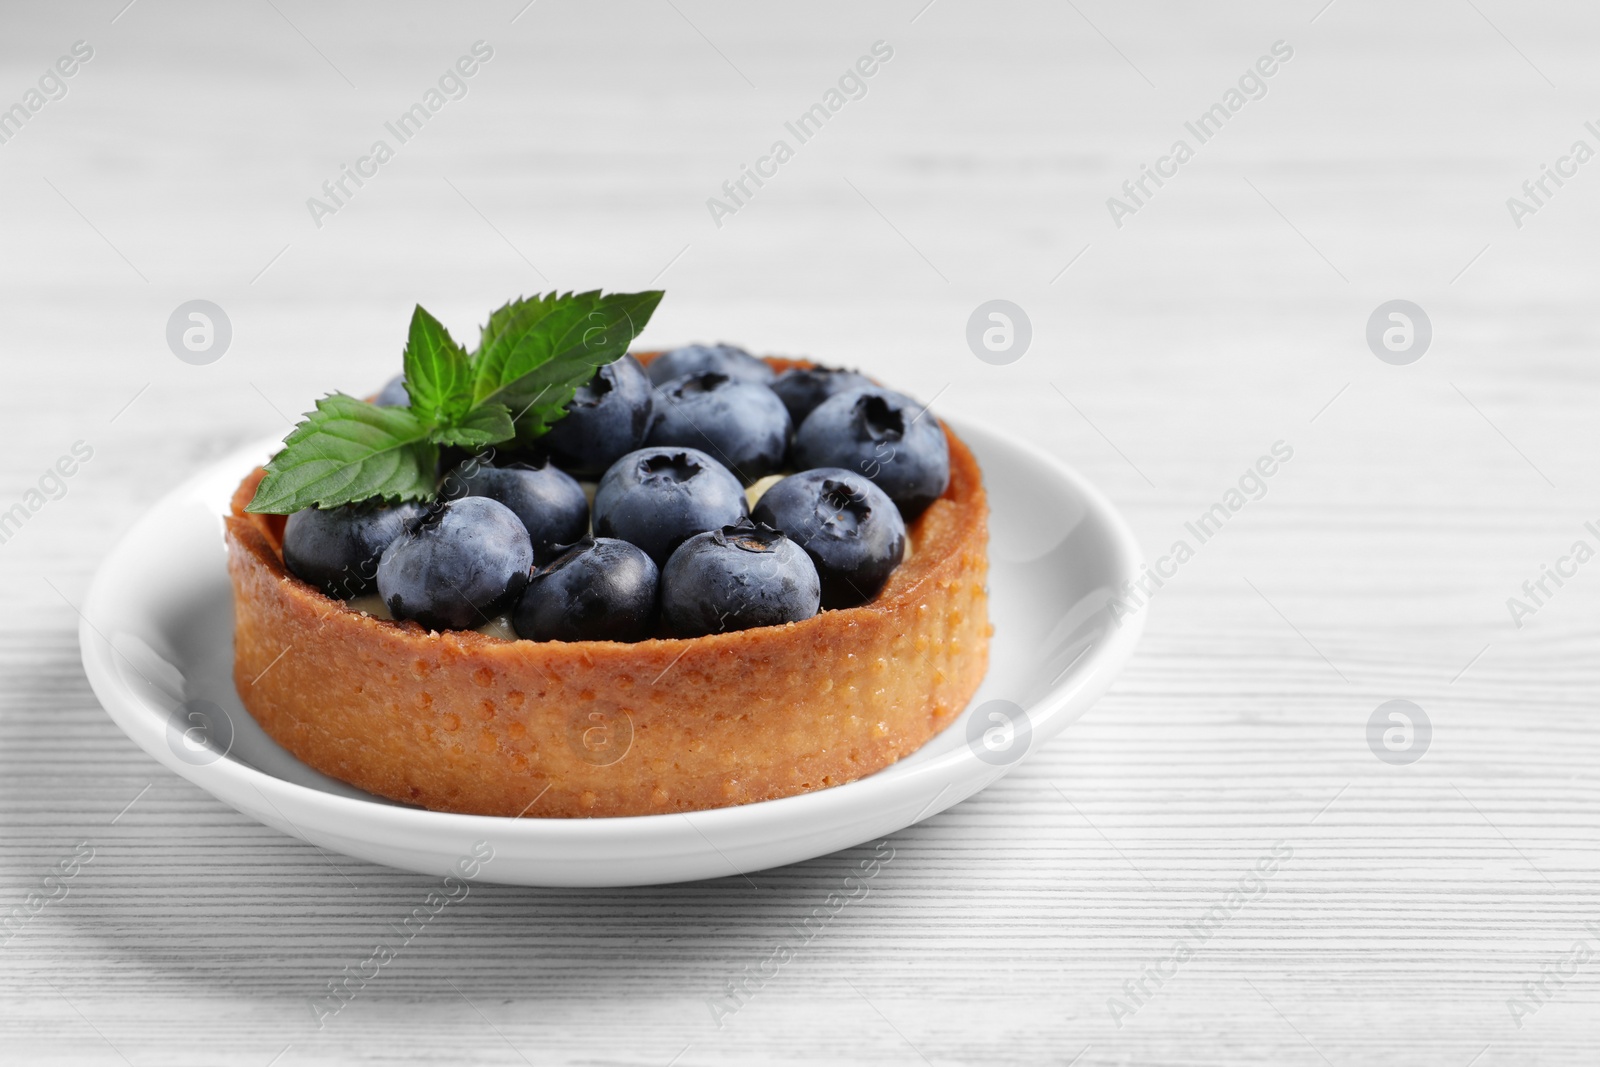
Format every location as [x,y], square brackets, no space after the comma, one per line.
[533,356]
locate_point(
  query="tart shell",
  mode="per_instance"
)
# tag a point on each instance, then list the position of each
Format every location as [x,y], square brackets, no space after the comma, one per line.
[459,721]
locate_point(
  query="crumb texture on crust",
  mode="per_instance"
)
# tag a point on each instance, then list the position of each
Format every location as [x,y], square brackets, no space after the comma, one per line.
[462,722]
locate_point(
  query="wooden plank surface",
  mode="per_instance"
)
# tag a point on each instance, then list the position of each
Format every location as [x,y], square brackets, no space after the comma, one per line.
[1408,906]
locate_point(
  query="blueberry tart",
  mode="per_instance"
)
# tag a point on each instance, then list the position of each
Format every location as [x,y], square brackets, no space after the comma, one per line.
[627,626]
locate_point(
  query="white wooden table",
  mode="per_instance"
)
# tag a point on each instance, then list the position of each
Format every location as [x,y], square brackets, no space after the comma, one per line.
[1409,904]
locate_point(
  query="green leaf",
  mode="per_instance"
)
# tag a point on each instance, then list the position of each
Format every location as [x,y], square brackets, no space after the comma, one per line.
[535,352]
[482,426]
[438,372]
[533,356]
[346,451]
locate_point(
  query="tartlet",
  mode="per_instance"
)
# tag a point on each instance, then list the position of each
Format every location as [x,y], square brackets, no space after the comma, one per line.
[460,721]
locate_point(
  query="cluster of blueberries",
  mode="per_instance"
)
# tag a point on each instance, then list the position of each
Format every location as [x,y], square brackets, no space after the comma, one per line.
[675,546]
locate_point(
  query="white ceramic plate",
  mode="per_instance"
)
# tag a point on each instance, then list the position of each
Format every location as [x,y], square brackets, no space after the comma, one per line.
[157,639]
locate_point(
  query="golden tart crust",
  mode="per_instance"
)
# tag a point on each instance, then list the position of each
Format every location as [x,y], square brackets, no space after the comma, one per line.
[459,721]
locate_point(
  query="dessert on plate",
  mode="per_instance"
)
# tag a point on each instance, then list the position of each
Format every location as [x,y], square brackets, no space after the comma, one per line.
[550,578]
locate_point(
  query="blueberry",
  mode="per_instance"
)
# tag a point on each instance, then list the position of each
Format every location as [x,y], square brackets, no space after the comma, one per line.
[550,502]
[802,388]
[657,498]
[883,434]
[735,578]
[741,423]
[847,525]
[458,566]
[600,589]
[337,550]
[697,359]
[393,394]
[608,417]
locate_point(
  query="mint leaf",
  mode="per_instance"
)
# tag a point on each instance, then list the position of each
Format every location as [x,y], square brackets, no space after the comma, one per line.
[347,450]
[481,426]
[535,352]
[533,356]
[438,372]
